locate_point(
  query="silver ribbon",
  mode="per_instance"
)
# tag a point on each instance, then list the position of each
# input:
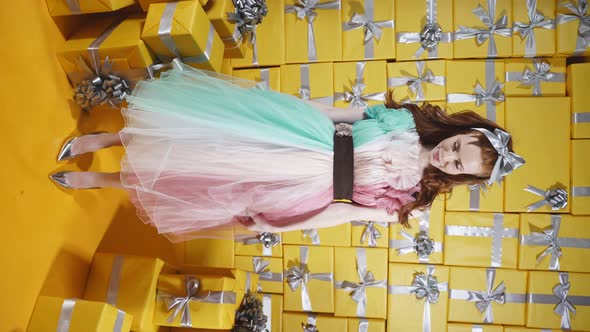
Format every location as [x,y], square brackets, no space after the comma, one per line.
[497,232]
[67,310]
[366,279]
[312,234]
[507,160]
[114,280]
[260,267]
[363,325]
[306,9]
[483,299]
[481,34]
[310,325]
[582,117]
[299,275]
[305,90]
[372,29]
[180,304]
[476,328]
[555,198]
[527,29]
[426,287]
[267,310]
[370,232]
[474,191]
[355,96]
[430,36]
[266,239]
[534,78]
[577,12]
[421,244]
[264,83]
[74,6]
[416,83]
[580,191]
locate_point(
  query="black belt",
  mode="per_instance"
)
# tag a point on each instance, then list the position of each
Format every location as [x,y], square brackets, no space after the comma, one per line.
[343,163]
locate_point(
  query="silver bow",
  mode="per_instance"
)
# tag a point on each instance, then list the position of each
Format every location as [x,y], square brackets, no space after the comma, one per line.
[579,12]
[564,307]
[370,232]
[102,87]
[268,239]
[484,299]
[542,73]
[260,267]
[500,27]
[548,237]
[246,16]
[507,161]
[415,83]
[307,327]
[555,198]
[299,275]
[313,234]
[526,29]
[422,244]
[492,94]
[426,287]
[372,29]
[359,100]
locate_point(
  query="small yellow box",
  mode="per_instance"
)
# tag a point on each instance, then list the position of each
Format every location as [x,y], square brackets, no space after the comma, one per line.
[417,80]
[543,36]
[248,244]
[370,78]
[540,128]
[406,312]
[292,322]
[330,236]
[535,77]
[454,327]
[522,329]
[580,195]
[464,16]
[269,270]
[577,88]
[367,233]
[311,80]
[268,77]
[372,325]
[65,7]
[465,198]
[51,314]
[569,39]
[235,46]
[190,35]
[350,264]
[319,288]
[145,4]
[354,45]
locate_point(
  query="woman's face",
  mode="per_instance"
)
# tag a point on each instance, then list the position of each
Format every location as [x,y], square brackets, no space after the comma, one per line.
[456,155]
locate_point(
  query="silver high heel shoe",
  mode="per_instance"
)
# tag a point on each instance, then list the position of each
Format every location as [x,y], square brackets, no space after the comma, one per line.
[65,153]
[60,180]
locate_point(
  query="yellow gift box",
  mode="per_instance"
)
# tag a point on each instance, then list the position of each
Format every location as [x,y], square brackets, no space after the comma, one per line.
[66,7]
[127,282]
[209,252]
[145,4]
[547,289]
[269,270]
[569,39]
[329,236]
[367,81]
[523,329]
[182,29]
[499,44]
[580,196]
[292,322]
[272,306]
[537,250]
[355,16]
[417,80]
[481,239]
[226,66]
[213,304]
[268,77]
[465,76]
[505,289]
[322,32]
[535,77]
[72,315]
[366,233]
[270,40]
[314,292]
[217,11]
[466,198]
[313,81]
[407,312]
[363,270]
[430,226]
[366,325]
[248,244]
[540,39]
[577,88]
[541,130]
[410,20]
[453,327]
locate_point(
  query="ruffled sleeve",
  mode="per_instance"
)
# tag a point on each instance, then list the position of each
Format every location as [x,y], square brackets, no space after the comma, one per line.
[379,121]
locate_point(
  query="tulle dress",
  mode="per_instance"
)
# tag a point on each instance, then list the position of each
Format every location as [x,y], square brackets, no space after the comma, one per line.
[204,150]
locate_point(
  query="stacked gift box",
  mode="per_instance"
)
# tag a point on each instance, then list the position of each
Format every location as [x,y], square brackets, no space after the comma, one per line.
[508,257]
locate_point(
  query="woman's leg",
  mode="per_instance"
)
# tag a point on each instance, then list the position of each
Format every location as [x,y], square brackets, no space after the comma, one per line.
[94,142]
[86,180]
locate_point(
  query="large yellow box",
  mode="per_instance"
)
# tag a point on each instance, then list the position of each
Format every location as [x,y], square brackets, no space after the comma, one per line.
[481,239]
[523,77]
[542,304]
[430,226]
[569,39]
[406,312]
[367,233]
[329,236]
[464,280]
[369,78]
[577,88]
[464,16]
[209,252]
[464,76]
[366,325]
[250,245]
[51,314]
[318,288]
[313,81]
[127,282]
[580,196]
[543,37]
[323,33]
[190,34]
[65,7]
[292,322]
[235,45]
[268,77]
[417,81]
[270,40]
[350,264]
[523,329]
[355,46]
[540,128]
[454,327]
[466,198]
[573,239]
[269,270]
[410,20]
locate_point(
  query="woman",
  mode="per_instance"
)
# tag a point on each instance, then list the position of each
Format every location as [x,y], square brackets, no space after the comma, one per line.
[205,151]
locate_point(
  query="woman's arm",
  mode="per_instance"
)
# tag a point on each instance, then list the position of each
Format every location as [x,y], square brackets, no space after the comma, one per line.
[348,115]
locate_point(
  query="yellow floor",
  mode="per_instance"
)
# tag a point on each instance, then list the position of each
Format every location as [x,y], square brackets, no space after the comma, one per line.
[49,235]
